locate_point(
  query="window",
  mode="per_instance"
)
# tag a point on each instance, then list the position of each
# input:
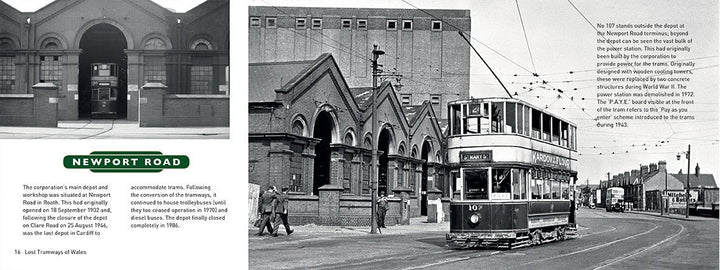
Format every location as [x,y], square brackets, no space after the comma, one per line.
[316,23]
[411,177]
[346,24]
[536,124]
[456,118]
[435,101]
[546,127]
[270,22]
[400,174]
[406,99]
[497,116]
[300,23]
[556,131]
[296,168]
[556,189]
[501,184]
[510,117]
[155,44]
[254,22]
[407,25]
[547,193]
[155,69]
[7,74]
[298,128]
[367,160]
[391,24]
[535,188]
[519,184]
[565,190]
[347,173]
[51,70]
[362,24]
[201,79]
[476,182]
[436,25]
[201,45]
[520,118]
[564,134]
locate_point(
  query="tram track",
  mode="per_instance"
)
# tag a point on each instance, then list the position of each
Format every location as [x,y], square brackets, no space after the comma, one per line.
[112,125]
[641,250]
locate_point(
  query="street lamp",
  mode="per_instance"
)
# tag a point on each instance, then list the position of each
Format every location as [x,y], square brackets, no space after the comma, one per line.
[687,182]
[373,186]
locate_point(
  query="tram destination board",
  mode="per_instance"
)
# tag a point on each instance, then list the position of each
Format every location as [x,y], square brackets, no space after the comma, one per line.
[475,156]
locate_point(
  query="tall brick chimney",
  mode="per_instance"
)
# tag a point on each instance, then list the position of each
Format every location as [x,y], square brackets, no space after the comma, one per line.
[643,170]
[653,167]
[662,166]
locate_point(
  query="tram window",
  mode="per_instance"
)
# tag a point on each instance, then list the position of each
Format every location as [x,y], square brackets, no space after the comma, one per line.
[519,114]
[476,183]
[536,124]
[104,71]
[556,131]
[472,125]
[564,134]
[546,127]
[510,117]
[456,116]
[104,94]
[501,184]
[113,94]
[526,112]
[555,189]
[565,191]
[535,188]
[497,124]
[519,184]
[546,189]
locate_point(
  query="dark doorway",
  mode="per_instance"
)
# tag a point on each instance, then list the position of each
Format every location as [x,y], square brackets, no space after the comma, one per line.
[102,43]
[323,131]
[423,182]
[383,148]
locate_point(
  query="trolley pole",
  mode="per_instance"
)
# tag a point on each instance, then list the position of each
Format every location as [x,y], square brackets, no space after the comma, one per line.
[374,180]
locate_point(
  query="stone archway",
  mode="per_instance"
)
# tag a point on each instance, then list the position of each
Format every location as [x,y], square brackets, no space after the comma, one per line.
[425,156]
[323,130]
[384,142]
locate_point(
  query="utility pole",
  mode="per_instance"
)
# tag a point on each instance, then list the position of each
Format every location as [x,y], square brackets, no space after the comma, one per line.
[375,136]
[687,186]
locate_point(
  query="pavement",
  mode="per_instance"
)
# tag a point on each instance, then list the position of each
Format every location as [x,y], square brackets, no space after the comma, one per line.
[112,129]
[672,216]
[416,224]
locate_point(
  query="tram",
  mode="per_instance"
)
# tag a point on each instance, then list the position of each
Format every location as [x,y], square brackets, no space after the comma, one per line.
[104,88]
[511,165]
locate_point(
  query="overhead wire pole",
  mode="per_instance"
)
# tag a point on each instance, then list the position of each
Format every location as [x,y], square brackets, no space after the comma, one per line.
[374,175]
[486,64]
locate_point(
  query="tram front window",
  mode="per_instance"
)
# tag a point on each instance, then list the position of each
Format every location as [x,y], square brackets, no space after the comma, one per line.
[501,184]
[476,183]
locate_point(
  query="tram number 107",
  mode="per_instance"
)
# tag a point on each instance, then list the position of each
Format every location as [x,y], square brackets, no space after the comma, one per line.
[473,207]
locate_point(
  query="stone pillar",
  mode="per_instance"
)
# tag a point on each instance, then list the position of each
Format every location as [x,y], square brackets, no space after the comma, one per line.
[68,107]
[151,104]
[329,204]
[45,105]
[434,206]
[446,208]
[404,194]
[134,79]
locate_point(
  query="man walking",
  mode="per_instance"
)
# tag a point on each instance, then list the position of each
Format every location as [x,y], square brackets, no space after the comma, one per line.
[266,209]
[382,207]
[281,212]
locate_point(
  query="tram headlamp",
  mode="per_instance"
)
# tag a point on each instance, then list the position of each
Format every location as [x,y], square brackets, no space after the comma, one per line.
[474,218]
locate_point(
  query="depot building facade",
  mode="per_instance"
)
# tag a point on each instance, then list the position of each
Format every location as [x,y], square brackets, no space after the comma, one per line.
[186,53]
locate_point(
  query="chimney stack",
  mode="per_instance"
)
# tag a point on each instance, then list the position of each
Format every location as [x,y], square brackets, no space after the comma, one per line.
[653,167]
[662,166]
[643,170]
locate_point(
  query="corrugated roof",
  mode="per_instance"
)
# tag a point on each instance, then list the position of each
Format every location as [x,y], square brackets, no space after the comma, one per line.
[700,181]
[264,78]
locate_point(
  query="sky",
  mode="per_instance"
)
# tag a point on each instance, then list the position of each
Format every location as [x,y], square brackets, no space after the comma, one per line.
[33,5]
[561,40]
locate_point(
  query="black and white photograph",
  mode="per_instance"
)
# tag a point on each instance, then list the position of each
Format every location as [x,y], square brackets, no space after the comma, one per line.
[103,69]
[518,134]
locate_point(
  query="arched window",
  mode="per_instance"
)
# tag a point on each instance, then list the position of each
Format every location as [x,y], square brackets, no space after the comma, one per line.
[349,138]
[7,44]
[201,44]
[155,44]
[298,128]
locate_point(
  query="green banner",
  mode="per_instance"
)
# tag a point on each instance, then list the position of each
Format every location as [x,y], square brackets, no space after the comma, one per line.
[125,162]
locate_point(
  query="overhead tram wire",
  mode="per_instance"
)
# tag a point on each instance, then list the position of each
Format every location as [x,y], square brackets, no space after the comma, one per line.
[527,42]
[486,64]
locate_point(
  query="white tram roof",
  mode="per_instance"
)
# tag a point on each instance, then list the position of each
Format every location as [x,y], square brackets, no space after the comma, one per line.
[507,99]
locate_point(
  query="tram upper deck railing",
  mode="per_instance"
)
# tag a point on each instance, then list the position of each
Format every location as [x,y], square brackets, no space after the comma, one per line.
[471,117]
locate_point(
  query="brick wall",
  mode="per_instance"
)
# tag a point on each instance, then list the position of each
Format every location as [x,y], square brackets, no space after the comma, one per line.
[160,110]
[16,110]
[353,211]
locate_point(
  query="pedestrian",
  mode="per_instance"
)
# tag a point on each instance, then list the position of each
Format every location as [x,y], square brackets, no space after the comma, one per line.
[281,212]
[382,207]
[266,209]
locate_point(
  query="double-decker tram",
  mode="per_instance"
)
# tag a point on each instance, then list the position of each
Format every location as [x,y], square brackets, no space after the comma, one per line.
[512,173]
[104,89]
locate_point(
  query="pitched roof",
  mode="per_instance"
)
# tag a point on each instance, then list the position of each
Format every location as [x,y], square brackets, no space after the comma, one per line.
[264,78]
[362,96]
[700,181]
[411,111]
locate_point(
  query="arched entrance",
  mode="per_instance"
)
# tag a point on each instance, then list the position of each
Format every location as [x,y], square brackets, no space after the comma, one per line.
[102,43]
[423,183]
[384,149]
[323,131]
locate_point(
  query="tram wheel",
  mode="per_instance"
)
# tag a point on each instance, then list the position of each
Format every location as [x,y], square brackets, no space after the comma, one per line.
[561,233]
[535,238]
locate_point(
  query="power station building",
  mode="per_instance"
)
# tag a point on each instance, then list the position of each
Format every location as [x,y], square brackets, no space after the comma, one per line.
[187,53]
[421,45]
